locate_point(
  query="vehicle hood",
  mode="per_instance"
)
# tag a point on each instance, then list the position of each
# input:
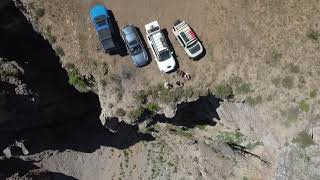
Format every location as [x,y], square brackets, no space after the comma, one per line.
[140,59]
[98,10]
[167,65]
[195,51]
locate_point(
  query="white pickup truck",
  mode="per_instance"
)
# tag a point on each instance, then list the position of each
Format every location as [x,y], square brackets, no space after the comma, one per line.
[187,38]
[160,48]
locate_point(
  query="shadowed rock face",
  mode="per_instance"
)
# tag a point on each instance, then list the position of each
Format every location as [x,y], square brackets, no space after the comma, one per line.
[53,115]
[48,98]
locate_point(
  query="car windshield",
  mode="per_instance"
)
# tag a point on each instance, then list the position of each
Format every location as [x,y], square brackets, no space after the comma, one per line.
[136,50]
[192,44]
[164,55]
[132,43]
[101,20]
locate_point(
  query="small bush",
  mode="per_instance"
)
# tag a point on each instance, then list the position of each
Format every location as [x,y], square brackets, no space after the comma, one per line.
[275,58]
[231,137]
[240,86]
[51,38]
[59,51]
[152,107]
[303,106]
[287,82]
[276,82]
[254,101]
[243,88]
[70,66]
[78,81]
[181,132]
[39,12]
[120,112]
[292,116]
[223,91]
[313,93]
[294,68]
[251,146]
[304,139]
[314,35]
[135,114]
[141,96]
[201,126]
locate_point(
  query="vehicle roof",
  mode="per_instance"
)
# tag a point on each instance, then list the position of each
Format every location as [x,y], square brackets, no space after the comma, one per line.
[185,32]
[129,33]
[152,27]
[98,10]
[159,42]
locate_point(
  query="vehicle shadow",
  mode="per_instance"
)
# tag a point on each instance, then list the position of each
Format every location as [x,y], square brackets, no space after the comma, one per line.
[122,50]
[146,47]
[166,35]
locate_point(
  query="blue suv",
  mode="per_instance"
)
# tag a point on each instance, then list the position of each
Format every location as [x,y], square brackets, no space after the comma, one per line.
[102,23]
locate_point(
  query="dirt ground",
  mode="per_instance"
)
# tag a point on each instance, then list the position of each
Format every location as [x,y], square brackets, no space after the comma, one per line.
[241,38]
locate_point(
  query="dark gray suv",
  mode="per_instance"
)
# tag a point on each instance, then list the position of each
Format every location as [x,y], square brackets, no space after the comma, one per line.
[134,45]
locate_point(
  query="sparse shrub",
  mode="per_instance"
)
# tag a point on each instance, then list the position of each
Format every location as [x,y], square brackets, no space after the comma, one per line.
[294,68]
[292,116]
[243,88]
[240,86]
[39,12]
[303,106]
[223,91]
[304,139]
[120,112]
[181,132]
[78,81]
[135,114]
[314,35]
[254,101]
[103,83]
[70,66]
[31,5]
[269,98]
[252,145]
[115,78]
[60,51]
[51,38]
[231,137]
[276,82]
[201,126]
[313,93]
[275,58]
[152,107]
[287,82]
[141,96]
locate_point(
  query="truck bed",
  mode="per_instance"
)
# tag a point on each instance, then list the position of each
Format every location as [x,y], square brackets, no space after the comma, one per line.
[105,38]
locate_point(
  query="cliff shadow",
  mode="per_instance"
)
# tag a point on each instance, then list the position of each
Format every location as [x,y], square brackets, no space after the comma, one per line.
[61,117]
[191,114]
[20,168]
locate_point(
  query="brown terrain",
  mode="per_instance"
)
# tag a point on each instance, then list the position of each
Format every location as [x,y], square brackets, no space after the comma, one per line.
[250,111]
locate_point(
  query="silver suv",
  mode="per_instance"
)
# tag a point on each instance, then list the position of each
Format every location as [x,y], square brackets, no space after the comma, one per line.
[134,45]
[187,38]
